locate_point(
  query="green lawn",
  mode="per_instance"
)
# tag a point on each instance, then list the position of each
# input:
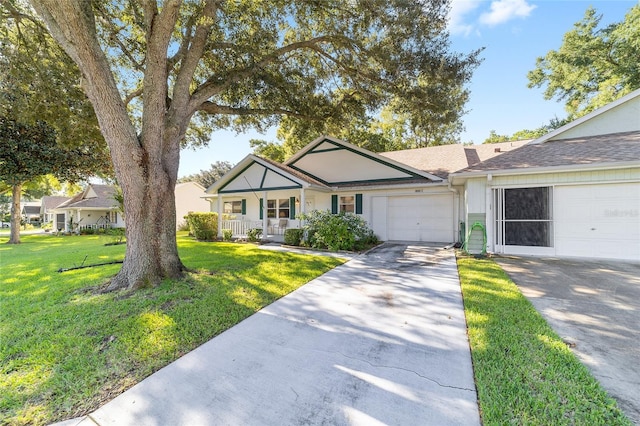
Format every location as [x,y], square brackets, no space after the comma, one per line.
[65,350]
[525,374]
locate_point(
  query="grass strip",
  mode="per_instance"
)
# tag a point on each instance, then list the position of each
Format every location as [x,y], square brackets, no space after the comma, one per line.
[525,374]
[65,349]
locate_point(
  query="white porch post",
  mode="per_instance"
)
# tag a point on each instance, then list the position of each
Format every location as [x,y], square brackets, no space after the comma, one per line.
[265,220]
[489,216]
[220,215]
[303,205]
[66,221]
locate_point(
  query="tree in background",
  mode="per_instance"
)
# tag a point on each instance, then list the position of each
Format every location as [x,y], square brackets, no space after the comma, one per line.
[593,66]
[48,127]
[28,152]
[151,70]
[207,178]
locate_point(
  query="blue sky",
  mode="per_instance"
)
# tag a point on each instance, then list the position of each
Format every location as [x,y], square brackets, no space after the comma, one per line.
[513,32]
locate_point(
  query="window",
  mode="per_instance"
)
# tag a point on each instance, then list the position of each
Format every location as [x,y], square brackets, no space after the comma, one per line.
[232,207]
[347,204]
[113,217]
[278,208]
[523,216]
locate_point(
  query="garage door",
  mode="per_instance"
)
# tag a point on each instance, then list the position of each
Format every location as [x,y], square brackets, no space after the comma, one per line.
[601,221]
[420,218]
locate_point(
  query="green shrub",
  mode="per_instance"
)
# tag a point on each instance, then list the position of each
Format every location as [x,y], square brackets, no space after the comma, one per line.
[203,226]
[343,231]
[293,236]
[87,231]
[226,234]
[117,235]
[254,234]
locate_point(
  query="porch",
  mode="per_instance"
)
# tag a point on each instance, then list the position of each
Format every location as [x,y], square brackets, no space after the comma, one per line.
[275,227]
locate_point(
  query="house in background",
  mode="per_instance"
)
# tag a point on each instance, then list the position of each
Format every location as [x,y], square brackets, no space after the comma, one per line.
[189,198]
[572,192]
[30,211]
[47,205]
[94,207]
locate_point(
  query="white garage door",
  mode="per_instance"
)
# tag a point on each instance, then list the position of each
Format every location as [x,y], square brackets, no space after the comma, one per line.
[601,221]
[420,218]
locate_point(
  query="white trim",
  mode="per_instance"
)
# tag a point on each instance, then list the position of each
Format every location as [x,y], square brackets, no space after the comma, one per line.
[545,169]
[382,159]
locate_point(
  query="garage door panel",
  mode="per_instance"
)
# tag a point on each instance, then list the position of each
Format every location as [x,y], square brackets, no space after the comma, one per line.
[421,218]
[600,221]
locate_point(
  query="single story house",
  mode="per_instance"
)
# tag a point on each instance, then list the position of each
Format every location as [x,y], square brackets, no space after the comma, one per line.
[94,207]
[572,192]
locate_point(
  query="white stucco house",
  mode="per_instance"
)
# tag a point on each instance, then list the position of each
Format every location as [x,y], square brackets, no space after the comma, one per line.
[572,192]
[95,207]
[189,198]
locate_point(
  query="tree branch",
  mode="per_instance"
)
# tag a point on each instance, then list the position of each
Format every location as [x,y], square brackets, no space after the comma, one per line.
[212,108]
[212,87]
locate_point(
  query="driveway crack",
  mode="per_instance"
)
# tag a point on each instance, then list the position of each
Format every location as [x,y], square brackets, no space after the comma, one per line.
[408,371]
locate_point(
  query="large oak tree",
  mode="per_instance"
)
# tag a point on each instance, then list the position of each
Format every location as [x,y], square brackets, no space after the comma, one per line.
[152,68]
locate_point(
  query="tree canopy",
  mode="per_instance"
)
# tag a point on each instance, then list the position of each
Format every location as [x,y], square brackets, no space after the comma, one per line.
[208,177]
[593,66]
[158,74]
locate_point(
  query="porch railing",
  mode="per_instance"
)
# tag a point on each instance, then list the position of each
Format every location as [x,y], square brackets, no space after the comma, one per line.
[239,228]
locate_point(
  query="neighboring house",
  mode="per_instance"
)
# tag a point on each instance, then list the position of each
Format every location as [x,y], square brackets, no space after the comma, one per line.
[48,204]
[189,198]
[31,211]
[95,207]
[572,192]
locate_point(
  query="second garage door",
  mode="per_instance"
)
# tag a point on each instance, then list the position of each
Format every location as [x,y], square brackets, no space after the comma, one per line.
[420,218]
[598,221]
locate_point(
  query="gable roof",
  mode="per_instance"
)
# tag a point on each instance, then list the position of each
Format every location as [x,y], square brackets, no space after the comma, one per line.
[593,151]
[445,159]
[630,101]
[336,163]
[255,173]
[93,197]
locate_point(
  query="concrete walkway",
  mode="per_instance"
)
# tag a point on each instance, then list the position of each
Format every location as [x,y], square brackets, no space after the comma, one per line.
[379,340]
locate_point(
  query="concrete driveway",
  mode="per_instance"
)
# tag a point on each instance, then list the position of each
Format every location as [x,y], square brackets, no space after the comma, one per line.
[379,340]
[594,305]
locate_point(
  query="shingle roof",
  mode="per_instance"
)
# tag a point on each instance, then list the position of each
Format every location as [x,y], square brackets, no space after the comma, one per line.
[445,159]
[610,148]
[53,201]
[103,199]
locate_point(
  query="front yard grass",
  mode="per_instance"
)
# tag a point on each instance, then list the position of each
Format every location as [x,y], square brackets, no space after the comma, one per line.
[65,349]
[525,374]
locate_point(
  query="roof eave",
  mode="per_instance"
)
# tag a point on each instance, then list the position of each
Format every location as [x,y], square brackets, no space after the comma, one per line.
[458,178]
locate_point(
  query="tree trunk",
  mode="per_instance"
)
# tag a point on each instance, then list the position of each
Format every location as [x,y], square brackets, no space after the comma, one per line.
[15,214]
[146,165]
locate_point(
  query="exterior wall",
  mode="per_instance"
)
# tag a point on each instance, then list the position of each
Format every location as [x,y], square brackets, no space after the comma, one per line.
[476,191]
[319,200]
[623,118]
[188,199]
[85,218]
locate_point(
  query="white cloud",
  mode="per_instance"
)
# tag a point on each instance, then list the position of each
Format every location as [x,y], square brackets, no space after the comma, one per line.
[459,9]
[505,10]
